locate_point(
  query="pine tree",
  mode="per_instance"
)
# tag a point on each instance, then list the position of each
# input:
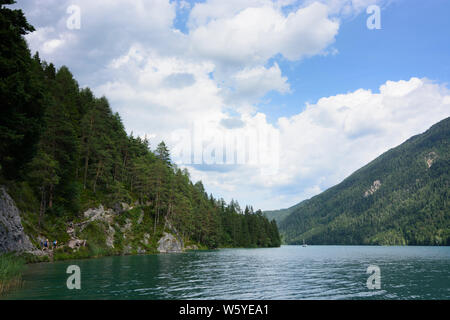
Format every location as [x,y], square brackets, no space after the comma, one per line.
[162,152]
[44,175]
[21,93]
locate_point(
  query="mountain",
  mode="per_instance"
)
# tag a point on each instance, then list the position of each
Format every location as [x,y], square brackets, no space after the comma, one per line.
[400,198]
[281,214]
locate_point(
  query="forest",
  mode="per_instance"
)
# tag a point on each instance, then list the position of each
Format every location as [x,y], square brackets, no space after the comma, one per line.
[63,150]
[400,198]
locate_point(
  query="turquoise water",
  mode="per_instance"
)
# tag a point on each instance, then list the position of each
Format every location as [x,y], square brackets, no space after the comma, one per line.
[289,272]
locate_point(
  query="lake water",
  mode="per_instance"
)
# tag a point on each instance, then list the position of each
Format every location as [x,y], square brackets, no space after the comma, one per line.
[289,272]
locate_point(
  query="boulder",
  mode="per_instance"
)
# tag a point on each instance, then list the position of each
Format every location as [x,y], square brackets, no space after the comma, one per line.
[12,235]
[169,244]
[76,243]
[93,213]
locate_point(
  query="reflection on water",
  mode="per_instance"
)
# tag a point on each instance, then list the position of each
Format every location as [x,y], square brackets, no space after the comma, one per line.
[289,272]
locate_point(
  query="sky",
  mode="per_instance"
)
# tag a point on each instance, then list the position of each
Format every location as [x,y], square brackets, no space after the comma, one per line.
[267,102]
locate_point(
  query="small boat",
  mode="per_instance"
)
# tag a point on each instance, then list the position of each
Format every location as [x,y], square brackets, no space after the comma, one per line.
[304,244]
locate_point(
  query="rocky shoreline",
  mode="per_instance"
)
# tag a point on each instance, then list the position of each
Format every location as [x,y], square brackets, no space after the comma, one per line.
[119,225]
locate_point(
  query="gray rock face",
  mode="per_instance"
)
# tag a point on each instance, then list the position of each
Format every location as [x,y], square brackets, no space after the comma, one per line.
[12,236]
[169,244]
[94,213]
[100,213]
[76,243]
[110,236]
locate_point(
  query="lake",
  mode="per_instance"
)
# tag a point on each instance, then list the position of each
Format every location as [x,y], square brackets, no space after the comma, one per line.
[289,272]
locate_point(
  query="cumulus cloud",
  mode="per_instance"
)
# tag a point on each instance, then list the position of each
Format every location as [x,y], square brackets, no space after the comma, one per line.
[258,33]
[236,37]
[250,84]
[216,72]
[335,136]
[49,41]
[108,29]
[161,94]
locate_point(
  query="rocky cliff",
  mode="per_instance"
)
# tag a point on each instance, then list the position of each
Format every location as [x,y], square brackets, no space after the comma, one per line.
[122,230]
[12,235]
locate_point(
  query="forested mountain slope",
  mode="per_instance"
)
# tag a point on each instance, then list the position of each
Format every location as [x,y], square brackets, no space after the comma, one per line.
[63,151]
[281,214]
[401,197]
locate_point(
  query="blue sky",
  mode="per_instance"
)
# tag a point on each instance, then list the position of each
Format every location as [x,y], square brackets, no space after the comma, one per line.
[322,93]
[414,42]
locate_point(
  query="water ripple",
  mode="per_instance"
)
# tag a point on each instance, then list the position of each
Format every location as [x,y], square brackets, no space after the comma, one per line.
[289,272]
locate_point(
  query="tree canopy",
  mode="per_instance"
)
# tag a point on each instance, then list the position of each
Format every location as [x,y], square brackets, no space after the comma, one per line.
[73,152]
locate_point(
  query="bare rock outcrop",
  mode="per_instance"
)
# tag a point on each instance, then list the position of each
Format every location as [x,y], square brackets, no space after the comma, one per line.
[430,158]
[169,244]
[375,186]
[12,235]
[99,213]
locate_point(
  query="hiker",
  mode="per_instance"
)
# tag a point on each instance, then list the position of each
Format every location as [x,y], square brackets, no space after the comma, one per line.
[55,243]
[46,244]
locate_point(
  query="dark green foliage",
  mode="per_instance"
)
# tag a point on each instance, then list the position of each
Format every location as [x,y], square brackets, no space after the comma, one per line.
[162,152]
[75,154]
[21,94]
[411,206]
[281,214]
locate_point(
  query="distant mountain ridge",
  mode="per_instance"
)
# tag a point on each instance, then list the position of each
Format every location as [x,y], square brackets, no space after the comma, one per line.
[400,198]
[281,214]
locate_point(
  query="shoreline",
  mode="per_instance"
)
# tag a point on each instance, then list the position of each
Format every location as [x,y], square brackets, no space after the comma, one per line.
[27,255]
[29,262]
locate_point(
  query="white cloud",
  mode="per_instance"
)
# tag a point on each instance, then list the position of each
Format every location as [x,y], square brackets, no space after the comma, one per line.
[255,34]
[203,13]
[51,45]
[109,28]
[161,80]
[248,85]
[334,137]
[158,94]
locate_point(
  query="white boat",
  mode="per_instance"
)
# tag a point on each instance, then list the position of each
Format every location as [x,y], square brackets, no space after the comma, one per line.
[304,244]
